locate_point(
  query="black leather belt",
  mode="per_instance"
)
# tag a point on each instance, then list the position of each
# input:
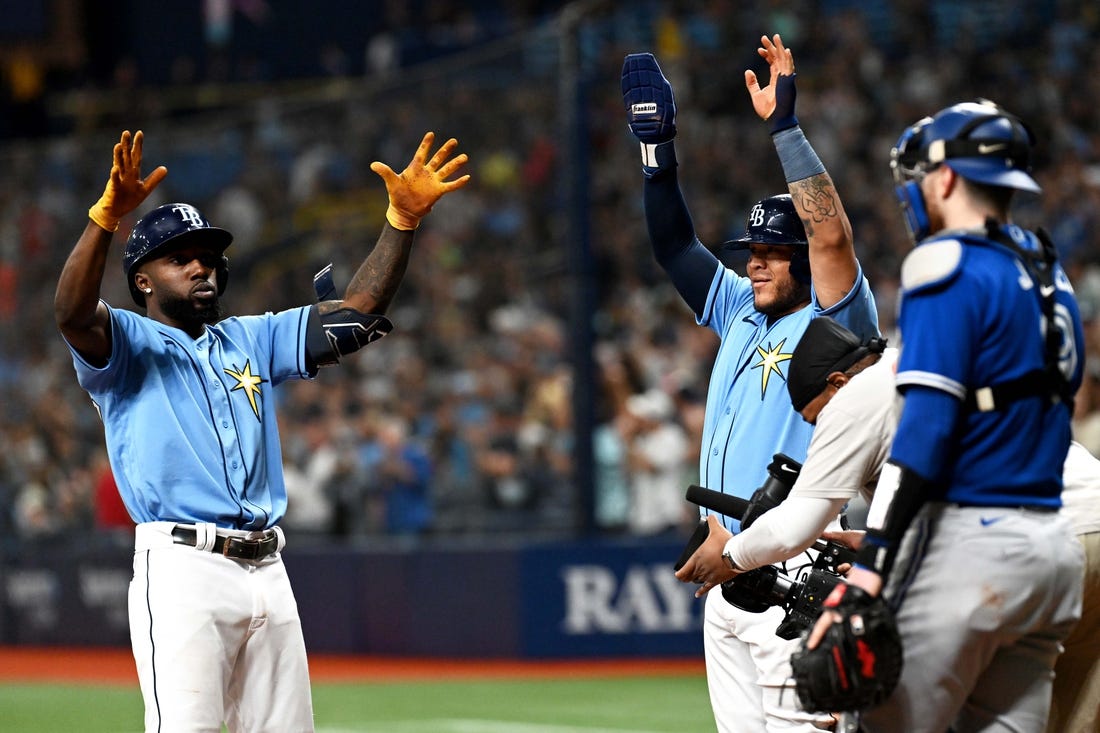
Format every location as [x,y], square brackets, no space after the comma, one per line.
[1043,508]
[238,548]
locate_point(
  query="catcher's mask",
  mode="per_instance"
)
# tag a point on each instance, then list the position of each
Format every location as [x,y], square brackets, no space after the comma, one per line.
[978,140]
[774,221]
[172,225]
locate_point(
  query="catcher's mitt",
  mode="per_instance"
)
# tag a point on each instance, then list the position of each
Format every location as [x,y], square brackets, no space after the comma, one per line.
[857,663]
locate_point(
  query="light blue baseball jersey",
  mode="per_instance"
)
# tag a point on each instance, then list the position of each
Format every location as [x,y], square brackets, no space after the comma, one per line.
[190,424]
[749,416]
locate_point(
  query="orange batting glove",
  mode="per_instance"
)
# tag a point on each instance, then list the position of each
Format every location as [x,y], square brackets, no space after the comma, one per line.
[414,192]
[125,188]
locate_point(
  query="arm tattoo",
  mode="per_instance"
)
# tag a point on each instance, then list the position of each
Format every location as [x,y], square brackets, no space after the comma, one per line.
[817,198]
[381,273]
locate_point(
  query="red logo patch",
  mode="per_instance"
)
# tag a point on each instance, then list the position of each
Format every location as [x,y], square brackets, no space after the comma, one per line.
[866,659]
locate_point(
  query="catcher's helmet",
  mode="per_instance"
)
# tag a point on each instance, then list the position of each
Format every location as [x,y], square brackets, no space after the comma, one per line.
[172,225]
[774,221]
[978,140]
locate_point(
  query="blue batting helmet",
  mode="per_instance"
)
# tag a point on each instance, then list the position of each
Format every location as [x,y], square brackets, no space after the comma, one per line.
[774,221]
[978,140]
[172,225]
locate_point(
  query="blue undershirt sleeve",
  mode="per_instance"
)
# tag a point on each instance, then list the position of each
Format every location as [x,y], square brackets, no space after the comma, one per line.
[924,435]
[689,264]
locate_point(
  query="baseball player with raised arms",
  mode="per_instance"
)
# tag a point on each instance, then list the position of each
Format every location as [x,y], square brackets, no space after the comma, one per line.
[190,424]
[759,319]
[965,540]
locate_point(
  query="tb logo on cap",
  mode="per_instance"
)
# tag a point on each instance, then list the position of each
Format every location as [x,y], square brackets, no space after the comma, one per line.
[756,216]
[190,216]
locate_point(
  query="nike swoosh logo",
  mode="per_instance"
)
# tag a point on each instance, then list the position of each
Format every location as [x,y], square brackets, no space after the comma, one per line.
[986,521]
[983,148]
[785,467]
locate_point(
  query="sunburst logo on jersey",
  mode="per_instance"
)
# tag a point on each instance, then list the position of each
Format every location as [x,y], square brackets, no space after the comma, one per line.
[770,359]
[249,382]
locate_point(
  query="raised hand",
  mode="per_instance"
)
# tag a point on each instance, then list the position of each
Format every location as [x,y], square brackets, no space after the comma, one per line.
[126,189]
[775,102]
[647,97]
[415,190]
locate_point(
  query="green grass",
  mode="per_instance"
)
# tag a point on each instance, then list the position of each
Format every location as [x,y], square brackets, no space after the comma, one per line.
[658,704]
[56,708]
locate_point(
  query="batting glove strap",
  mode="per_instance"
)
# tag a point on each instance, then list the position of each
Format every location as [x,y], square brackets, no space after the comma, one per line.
[783,116]
[647,97]
[98,214]
[401,220]
[657,158]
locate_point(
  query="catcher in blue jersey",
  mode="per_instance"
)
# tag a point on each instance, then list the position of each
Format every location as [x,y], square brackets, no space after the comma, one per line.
[802,264]
[983,572]
[191,430]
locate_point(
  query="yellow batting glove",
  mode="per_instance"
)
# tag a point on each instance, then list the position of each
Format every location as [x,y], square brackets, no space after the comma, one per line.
[125,188]
[422,183]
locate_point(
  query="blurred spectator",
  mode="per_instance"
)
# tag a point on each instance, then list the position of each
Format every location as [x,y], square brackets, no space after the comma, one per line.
[33,516]
[396,479]
[656,449]
[612,484]
[313,466]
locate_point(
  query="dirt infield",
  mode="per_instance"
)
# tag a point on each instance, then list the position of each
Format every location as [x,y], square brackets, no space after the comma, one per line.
[116,666]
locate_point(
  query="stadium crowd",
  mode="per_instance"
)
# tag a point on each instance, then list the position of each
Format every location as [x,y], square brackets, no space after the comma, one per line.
[460,423]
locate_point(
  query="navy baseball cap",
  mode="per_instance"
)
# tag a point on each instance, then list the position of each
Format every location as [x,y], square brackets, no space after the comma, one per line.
[825,347]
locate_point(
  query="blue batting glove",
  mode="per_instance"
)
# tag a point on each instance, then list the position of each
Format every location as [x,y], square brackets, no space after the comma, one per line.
[647,96]
[783,115]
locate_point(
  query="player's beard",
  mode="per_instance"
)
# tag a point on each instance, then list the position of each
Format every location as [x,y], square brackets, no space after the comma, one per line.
[790,295]
[192,312]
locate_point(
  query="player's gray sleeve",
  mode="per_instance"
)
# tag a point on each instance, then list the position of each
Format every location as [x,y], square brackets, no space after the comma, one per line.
[785,531]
